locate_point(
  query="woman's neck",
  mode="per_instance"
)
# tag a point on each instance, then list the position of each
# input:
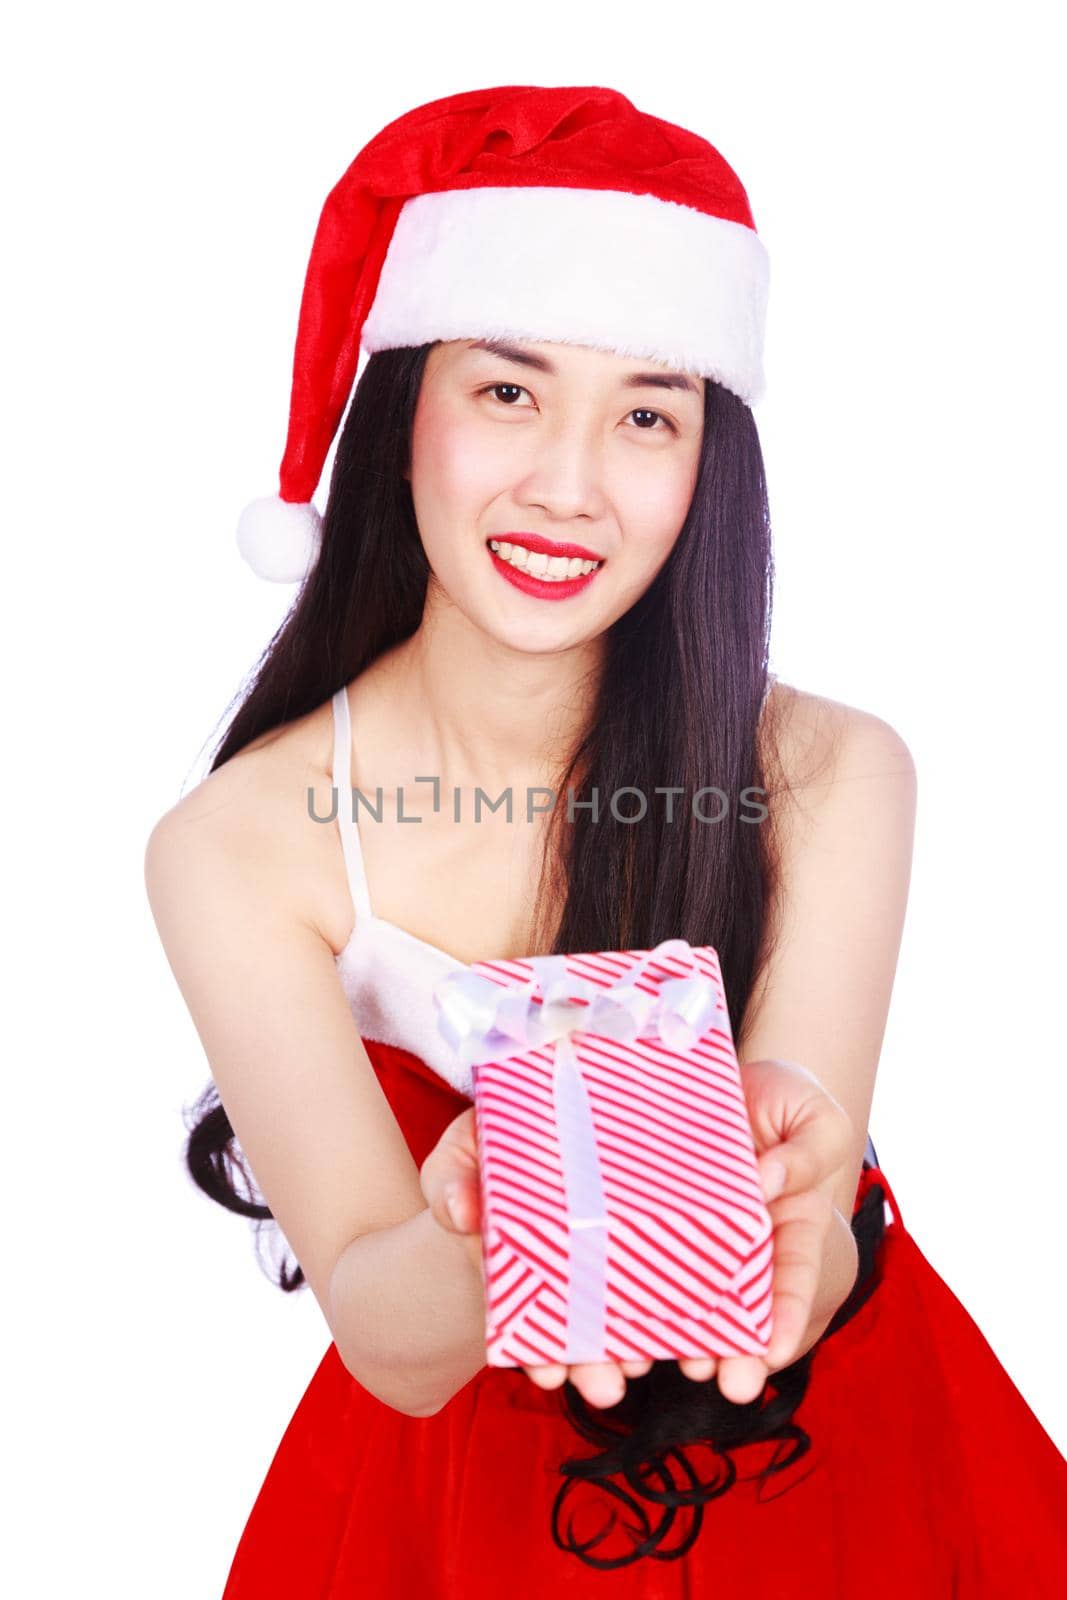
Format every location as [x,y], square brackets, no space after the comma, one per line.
[479,713]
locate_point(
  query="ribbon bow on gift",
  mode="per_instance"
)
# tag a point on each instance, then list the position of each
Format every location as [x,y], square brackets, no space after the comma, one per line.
[485,1021]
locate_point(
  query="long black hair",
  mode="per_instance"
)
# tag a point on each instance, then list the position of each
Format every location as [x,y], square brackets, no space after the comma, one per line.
[680,697]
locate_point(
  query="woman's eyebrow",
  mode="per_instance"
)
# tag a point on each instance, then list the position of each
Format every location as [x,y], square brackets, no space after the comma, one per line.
[634,380]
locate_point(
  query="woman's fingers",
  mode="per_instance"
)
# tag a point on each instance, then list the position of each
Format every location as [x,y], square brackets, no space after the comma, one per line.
[635,1369]
[600,1383]
[603,1383]
[801,1225]
[741,1378]
[547,1377]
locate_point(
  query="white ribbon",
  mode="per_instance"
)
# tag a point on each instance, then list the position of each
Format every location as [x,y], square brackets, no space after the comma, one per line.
[484,1021]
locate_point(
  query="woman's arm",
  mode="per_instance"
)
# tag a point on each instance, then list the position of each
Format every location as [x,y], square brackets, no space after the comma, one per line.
[411,1300]
[225,871]
[844,836]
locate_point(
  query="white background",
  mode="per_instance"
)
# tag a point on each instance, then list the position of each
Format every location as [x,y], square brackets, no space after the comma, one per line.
[166,168]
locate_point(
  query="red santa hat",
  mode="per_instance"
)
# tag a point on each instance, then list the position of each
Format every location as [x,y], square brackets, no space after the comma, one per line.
[556,214]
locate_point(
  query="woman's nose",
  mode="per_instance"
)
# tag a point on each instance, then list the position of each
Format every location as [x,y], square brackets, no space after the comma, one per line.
[566,476]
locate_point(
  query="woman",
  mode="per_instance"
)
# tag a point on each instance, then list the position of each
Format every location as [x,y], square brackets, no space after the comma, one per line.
[544,569]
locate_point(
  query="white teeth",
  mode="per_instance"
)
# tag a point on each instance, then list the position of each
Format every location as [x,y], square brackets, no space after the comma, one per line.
[551,569]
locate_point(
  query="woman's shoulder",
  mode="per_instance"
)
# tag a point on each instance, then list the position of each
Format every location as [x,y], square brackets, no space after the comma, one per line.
[260,807]
[259,778]
[810,741]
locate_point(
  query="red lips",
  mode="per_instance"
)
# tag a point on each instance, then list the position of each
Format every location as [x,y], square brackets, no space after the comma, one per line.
[539,545]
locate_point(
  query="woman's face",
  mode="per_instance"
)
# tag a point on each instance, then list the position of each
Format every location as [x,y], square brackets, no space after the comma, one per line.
[536,444]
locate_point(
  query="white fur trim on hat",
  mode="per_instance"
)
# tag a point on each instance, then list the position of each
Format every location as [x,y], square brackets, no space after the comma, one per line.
[644,277]
[280,539]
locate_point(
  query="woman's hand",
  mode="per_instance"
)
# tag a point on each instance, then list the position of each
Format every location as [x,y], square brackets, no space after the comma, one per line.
[798,1128]
[803,1137]
[805,1133]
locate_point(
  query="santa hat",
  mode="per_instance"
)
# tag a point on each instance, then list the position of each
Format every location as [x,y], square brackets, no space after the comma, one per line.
[556,214]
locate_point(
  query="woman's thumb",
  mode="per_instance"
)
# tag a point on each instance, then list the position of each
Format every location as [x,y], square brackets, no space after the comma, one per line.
[455,1204]
[774,1174]
[813,1152]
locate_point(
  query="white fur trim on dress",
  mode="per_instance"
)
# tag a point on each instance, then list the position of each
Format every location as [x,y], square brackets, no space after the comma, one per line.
[643,277]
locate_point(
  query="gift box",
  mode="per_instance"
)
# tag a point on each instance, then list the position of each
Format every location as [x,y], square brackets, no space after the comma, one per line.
[622,1210]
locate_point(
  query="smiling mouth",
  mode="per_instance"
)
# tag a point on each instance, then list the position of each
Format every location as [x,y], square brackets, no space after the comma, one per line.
[549,569]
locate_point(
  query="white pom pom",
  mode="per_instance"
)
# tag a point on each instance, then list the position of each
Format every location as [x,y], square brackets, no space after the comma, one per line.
[280,539]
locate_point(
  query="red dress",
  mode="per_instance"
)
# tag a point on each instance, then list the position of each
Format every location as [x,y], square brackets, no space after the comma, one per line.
[927,1475]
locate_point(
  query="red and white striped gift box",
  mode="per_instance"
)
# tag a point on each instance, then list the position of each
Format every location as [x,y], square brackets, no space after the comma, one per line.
[622,1211]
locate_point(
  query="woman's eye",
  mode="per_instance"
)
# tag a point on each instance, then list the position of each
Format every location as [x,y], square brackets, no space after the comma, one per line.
[641,412]
[517,389]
